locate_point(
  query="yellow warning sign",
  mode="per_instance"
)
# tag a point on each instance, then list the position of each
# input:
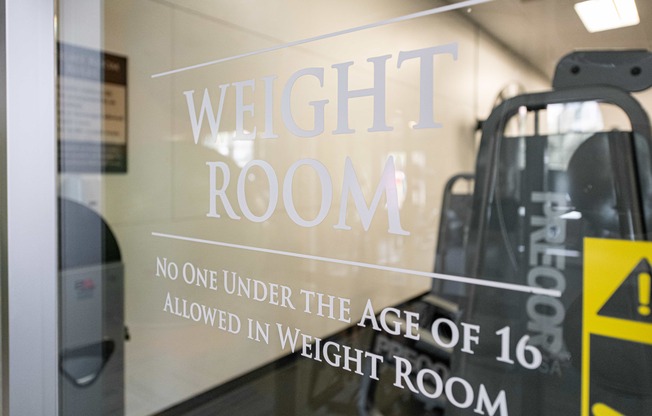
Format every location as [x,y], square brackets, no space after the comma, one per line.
[601,409]
[617,328]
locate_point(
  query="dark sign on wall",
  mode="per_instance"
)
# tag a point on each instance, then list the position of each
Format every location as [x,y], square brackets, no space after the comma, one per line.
[92,111]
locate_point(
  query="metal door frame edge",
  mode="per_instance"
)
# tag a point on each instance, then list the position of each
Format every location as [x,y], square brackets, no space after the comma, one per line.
[28,225]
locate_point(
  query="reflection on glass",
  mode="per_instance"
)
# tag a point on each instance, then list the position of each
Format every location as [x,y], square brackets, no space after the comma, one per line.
[292,232]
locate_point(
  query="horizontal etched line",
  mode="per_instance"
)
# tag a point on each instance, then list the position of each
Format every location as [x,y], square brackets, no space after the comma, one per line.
[467,280]
[436,10]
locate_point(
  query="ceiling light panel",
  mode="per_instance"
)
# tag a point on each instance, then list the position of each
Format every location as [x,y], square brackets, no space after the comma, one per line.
[600,15]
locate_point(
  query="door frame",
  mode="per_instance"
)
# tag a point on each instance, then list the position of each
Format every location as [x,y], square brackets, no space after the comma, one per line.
[28,223]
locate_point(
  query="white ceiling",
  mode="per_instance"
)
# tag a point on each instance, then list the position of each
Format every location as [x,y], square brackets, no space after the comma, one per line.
[542,31]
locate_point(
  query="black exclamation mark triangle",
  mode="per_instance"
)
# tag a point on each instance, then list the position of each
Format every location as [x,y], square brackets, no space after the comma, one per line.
[631,301]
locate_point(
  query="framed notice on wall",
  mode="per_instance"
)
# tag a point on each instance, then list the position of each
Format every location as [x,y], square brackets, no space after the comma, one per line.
[92,111]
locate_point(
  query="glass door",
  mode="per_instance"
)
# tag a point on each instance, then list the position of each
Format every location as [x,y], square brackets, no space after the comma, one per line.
[371,207]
